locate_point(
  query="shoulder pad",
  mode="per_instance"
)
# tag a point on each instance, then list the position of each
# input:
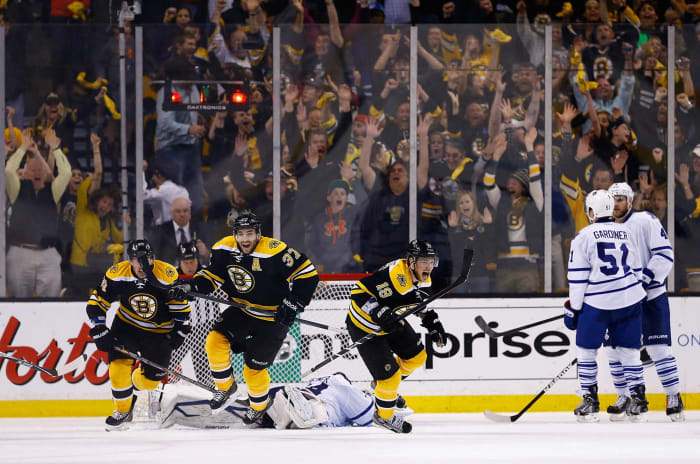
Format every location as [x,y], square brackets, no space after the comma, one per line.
[270,246]
[400,275]
[120,269]
[164,271]
[227,244]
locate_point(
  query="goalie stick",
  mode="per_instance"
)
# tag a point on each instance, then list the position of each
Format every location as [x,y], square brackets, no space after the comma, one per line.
[481,322]
[158,284]
[138,357]
[75,364]
[500,418]
[466,266]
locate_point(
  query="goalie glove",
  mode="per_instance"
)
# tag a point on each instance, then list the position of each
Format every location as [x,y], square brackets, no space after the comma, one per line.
[385,318]
[288,310]
[104,340]
[178,335]
[435,328]
[179,291]
[570,316]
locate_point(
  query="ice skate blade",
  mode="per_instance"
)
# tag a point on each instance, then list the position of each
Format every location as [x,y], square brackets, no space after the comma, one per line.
[123,427]
[677,417]
[621,417]
[588,418]
[638,417]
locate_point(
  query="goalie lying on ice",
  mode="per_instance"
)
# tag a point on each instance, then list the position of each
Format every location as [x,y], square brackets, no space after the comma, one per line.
[330,401]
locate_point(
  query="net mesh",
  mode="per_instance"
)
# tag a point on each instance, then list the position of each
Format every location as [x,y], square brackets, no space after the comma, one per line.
[300,348]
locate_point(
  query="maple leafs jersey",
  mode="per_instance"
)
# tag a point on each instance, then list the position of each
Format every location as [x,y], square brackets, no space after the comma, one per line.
[391,286]
[655,251]
[261,279]
[140,305]
[604,267]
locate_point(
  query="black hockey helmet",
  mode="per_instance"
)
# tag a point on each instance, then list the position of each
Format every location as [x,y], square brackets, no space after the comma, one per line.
[246,221]
[421,249]
[188,250]
[139,248]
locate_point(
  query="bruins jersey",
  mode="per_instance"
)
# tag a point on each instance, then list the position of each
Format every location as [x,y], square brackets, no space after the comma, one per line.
[140,305]
[261,279]
[391,286]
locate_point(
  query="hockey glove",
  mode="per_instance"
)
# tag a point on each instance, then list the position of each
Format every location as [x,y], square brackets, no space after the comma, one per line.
[385,318]
[647,278]
[570,316]
[288,310]
[178,335]
[435,328]
[179,291]
[104,340]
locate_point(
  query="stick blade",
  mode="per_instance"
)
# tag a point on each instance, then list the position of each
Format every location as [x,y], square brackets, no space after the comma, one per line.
[483,325]
[74,365]
[492,416]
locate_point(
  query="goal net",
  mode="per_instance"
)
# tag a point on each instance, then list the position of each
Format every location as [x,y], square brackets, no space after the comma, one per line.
[304,346]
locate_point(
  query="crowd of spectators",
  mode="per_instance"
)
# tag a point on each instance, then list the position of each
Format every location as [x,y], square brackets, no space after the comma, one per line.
[345,126]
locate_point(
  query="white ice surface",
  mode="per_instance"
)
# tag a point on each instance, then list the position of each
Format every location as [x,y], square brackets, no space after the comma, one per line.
[436,438]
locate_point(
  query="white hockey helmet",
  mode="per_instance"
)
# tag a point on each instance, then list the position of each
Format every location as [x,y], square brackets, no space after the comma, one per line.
[622,189]
[601,202]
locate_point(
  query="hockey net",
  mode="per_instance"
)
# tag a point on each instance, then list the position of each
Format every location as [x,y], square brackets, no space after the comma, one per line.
[303,347]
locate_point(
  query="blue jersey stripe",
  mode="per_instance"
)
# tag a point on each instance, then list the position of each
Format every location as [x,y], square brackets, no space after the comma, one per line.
[662,248]
[663,256]
[580,269]
[614,290]
[609,280]
[362,413]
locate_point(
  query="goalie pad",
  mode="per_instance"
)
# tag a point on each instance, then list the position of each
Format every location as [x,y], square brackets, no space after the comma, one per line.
[189,407]
[297,408]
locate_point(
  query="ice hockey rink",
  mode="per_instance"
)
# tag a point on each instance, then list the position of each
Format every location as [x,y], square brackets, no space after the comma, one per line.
[439,438]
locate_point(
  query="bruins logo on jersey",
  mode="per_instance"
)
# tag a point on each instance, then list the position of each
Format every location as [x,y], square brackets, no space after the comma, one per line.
[395,213]
[241,279]
[170,272]
[113,269]
[602,67]
[144,305]
[274,244]
[515,221]
[402,280]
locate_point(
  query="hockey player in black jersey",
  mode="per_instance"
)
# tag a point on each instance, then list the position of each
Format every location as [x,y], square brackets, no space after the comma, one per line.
[275,283]
[375,303]
[148,321]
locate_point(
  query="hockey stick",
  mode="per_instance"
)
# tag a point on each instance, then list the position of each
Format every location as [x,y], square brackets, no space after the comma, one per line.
[143,261]
[493,334]
[75,364]
[499,418]
[137,357]
[466,266]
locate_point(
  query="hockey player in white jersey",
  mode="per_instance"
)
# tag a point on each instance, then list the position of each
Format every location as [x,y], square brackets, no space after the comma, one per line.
[605,294]
[656,259]
[330,401]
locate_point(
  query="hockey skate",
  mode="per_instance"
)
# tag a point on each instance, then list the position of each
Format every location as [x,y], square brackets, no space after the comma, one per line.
[394,423]
[638,406]
[674,408]
[618,411]
[120,420]
[589,407]
[223,399]
[252,416]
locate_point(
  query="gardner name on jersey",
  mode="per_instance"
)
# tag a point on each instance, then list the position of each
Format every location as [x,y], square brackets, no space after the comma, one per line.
[391,286]
[260,279]
[140,305]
